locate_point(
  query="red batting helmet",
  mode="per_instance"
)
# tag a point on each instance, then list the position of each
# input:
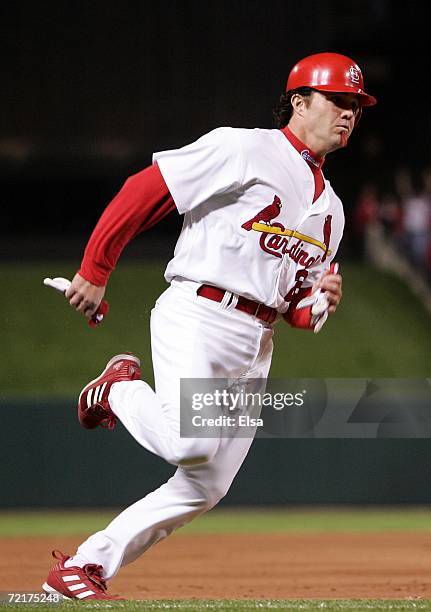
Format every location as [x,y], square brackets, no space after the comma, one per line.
[330,72]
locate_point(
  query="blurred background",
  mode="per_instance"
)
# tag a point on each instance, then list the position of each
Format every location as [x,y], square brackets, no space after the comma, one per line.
[90,91]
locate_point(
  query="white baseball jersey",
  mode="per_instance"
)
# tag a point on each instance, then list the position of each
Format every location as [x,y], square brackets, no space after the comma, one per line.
[250,224]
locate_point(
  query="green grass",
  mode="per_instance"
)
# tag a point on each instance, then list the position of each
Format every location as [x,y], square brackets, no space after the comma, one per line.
[62,523]
[49,348]
[227,605]
[380,330]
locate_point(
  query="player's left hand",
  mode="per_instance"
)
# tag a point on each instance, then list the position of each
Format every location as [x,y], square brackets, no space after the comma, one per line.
[84,296]
[331,284]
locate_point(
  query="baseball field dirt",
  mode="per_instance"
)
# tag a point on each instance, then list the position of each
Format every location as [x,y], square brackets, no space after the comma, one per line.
[390,565]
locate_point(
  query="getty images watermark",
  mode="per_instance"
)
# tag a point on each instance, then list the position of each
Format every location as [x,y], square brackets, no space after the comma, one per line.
[306,408]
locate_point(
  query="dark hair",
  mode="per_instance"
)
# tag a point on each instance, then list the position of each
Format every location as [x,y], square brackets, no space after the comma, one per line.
[283,111]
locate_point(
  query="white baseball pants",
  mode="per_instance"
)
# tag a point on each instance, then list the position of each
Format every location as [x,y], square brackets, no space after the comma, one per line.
[192,337]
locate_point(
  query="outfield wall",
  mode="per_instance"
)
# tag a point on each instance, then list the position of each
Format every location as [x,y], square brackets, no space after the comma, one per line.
[48,460]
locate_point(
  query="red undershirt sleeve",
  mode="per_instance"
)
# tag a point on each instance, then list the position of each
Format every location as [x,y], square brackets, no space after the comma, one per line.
[143,201]
[299,318]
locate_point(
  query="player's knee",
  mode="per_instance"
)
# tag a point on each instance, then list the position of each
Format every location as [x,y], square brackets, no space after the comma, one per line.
[195,451]
[209,494]
[215,492]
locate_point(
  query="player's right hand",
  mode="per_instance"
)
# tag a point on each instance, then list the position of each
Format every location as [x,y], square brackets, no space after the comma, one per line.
[330,283]
[84,296]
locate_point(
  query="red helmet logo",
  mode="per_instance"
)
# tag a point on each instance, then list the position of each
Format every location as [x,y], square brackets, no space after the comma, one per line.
[354,75]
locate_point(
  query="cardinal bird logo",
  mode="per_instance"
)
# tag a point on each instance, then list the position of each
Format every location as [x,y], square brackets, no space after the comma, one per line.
[265,215]
[327,234]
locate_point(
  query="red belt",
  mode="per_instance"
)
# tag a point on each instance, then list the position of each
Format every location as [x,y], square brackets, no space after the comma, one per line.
[262,312]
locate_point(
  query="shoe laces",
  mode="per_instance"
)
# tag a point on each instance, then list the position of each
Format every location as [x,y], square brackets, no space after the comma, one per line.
[109,421]
[94,573]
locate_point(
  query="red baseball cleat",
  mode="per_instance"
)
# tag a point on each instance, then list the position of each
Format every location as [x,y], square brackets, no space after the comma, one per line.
[76,582]
[93,405]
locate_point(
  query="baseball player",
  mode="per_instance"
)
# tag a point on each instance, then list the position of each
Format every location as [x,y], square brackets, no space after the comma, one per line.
[261,230]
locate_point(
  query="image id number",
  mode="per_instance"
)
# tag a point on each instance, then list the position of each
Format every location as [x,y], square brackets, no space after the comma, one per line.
[14,598]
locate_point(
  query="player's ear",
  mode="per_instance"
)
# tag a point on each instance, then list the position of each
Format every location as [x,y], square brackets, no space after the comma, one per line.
[298,103]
